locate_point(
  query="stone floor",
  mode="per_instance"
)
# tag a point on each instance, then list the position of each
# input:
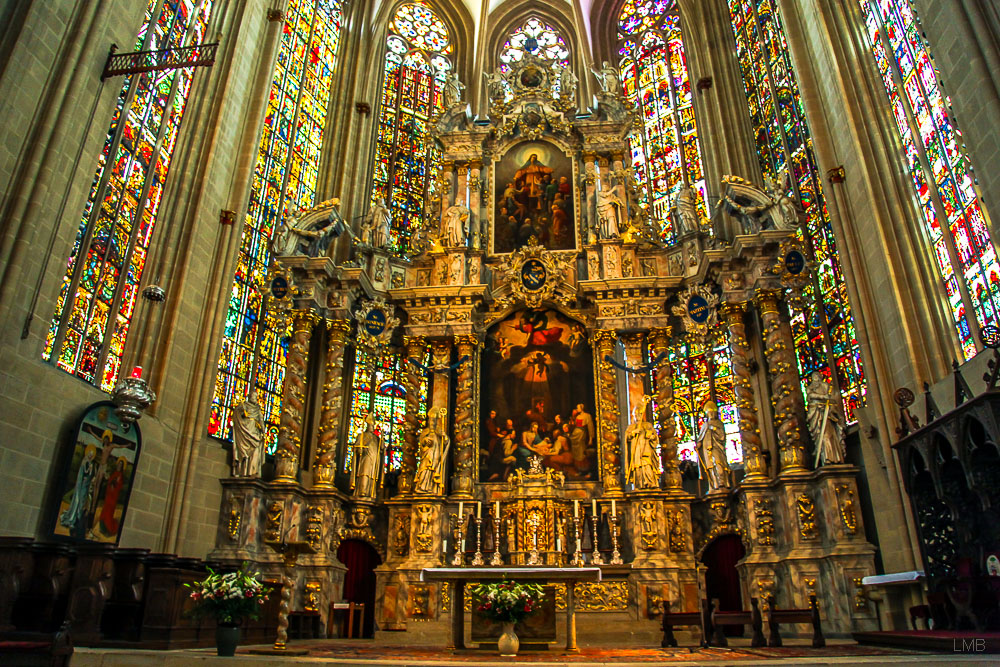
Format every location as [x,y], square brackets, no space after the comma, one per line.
[367,654]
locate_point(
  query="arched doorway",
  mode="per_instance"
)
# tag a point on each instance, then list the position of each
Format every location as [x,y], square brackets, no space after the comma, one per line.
[722,581]
[361,559]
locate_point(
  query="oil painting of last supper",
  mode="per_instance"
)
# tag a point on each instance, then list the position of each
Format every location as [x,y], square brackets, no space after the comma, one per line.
[538,397]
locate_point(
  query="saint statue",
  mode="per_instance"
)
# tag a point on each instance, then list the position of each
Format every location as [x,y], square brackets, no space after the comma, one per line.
[826,422]
[453,91]
[291,235]
[367,455]
[248,437]
[567,82]
[642,466]
[456,225]
[686,210]
[712,441]
[379,221]
[784,213]
[495,85]
[608,77]
[610,212]
[433,446]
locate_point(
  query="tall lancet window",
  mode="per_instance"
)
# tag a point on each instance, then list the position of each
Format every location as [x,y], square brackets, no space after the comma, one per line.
[288,159]
[665,153]
[939,168]
[825,337]
[99,290]
[406,159]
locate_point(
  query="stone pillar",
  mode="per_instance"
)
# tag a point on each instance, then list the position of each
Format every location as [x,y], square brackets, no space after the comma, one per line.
[325,463]
[587,203]
[753,456]
[786,397]
[475,219]
[461,192]
[444,182]
[415,347]
[609,445]
[293,397]
[464,444]
[659,343]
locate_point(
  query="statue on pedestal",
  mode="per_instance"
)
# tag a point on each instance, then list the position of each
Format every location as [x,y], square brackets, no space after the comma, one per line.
[686,211]
[783,211]
[641,439]
[712,442]
[379,223]
[495,87]
[291,235]
[433,446]
[367,457]
[826,422]
[453,91]
[567,82]
[610,212]
[456,225]
[248,437]
[608,77]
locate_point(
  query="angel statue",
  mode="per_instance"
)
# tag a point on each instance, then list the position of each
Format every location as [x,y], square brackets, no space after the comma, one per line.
[379,221]
[453,90]
[643,464]
[826,422]
[367,456]
[712,443]
[608,77]
[433,446]
[248,437]
[495,85]
[291,236]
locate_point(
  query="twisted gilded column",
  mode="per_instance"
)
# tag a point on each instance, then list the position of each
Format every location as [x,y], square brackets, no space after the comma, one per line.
[463,444]
[603,342]
[659,343]
[293,398]
[753,456]
[416,348]
[325,465]
[785,394]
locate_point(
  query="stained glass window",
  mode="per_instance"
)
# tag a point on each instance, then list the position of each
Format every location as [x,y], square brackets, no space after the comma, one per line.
[99,290]
[537,38]
[665,153]
[284,179]
[406,160]
[378,386]
[938,166]
[825,337]
[702,373]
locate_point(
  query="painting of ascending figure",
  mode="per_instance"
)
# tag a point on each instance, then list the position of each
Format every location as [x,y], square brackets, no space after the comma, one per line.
[538,397]
[534,198]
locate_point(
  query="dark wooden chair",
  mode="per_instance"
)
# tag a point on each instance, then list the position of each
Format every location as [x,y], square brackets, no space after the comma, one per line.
[343,614]
[36,649]
[700,619]
[776,616]
[720,619]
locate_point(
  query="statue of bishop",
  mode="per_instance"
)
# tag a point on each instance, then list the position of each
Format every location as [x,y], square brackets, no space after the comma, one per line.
[367,457]
[642,467]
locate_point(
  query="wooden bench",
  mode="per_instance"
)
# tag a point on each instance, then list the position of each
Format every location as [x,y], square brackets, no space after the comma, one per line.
[776,616]
[720,619]
[36,649]
[685,618]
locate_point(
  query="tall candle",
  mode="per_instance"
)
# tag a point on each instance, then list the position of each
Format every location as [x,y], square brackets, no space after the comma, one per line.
[479,510]
[613,512]
[461,507]
[496,510]
[576,509]
[444,545]
[593,506]
[558,544]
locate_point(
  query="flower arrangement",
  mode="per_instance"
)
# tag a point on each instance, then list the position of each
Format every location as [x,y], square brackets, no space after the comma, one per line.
[229,598]
[507,601]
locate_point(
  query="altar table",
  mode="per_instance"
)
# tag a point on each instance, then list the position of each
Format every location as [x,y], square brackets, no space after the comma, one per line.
[457,576]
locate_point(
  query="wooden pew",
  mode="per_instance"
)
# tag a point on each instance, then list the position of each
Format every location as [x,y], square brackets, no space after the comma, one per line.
[720,619]
[777,616]
[701,619]
[27,649]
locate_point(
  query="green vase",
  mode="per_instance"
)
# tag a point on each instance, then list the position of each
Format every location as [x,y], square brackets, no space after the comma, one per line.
[227,637]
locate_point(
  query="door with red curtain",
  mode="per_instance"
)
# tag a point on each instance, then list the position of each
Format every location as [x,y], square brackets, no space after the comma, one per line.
[722,579]
[361,559]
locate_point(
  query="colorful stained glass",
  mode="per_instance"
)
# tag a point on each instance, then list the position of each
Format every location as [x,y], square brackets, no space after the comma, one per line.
[938,165]
[666,152]
[702,373]
[825,337]
[284,179]
[98,293]
[406,159]
[377,386]
[537,38]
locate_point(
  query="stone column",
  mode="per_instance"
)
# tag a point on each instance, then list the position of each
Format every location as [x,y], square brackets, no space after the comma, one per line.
[659,343]
[464,444]
[753,456]
[786,396]
[587,202]
[475,221]
[293,397]
[416,347]
[461,192]
[609,445]
[444,181]
[325,463]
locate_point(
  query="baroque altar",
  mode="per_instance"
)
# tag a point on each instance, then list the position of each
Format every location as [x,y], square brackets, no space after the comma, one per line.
[533,312]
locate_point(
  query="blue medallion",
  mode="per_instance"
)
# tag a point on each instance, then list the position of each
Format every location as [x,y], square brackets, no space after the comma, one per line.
[375,322]
[279,287]
[795,262]
[697,308]
[533,275]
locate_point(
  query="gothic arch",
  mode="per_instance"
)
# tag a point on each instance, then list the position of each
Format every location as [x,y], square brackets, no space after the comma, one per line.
[461,28]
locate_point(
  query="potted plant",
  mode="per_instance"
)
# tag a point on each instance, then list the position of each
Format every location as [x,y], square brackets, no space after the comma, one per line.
[507,602]
[229,599]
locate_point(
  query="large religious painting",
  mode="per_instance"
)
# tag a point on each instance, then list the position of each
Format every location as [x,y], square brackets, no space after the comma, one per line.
[538,397]
[96,477]
[533,197]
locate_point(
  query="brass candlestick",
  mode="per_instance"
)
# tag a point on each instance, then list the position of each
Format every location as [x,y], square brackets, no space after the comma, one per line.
[458,560]
[497,559]
[595,556]
[616,557]
[577,554]
[477,559]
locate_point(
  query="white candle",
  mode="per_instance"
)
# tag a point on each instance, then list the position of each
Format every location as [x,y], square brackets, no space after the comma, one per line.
[479,510]
[613,512]
[593,506]
[576,509]
[444,548]
[496,510]
[558,544]
[463,545]
[461,507]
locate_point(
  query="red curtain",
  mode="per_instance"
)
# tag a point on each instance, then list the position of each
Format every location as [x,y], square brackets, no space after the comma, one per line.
[722,579]
[359,581]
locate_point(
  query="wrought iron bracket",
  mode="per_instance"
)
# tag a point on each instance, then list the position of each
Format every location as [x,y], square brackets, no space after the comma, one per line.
[196,55]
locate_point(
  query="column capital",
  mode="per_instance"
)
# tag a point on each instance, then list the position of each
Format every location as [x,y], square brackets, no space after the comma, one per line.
[274,15]
[730,309]
[338,328]
[305,320]
[659,337]
[604,336]
[410,342]
[767,297]
[463,340]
